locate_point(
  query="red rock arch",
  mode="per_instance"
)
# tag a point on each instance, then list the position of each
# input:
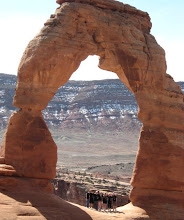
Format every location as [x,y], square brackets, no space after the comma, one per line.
[120,35]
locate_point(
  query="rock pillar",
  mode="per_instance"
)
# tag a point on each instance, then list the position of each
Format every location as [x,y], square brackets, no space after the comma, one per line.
[27,151]
[158,179]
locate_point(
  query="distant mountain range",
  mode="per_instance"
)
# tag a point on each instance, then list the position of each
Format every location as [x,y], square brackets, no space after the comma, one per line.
[80,105]
[93,123]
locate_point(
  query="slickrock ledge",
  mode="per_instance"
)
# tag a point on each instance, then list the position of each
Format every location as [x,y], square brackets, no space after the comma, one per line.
[43,206]
[120,35]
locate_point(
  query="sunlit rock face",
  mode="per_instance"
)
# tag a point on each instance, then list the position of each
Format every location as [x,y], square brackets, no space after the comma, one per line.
[120,35]
[31,148]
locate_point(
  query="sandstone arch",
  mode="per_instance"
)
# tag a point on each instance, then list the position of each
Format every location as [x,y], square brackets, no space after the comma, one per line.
[120,35]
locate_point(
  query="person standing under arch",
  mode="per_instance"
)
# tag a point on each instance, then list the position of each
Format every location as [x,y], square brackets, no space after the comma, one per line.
[109,201]
[87,199]
[91,200]
[105,202]
[114,202]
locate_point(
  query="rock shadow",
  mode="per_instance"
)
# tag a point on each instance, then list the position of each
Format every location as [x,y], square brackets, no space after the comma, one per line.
[39,205]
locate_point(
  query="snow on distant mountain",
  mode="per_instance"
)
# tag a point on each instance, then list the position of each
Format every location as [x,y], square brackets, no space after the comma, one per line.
[91,105]
[81,105]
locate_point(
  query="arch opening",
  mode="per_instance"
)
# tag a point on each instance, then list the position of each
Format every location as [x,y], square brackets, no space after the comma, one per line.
[89,70]
[95,127]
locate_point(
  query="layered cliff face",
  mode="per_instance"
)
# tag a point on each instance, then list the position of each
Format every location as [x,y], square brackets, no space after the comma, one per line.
[89,121]
[81,106]
[75,192]
[7,91]
[92,105]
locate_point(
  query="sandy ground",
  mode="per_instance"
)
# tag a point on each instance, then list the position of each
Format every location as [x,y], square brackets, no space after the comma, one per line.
[85,149]
[124,213]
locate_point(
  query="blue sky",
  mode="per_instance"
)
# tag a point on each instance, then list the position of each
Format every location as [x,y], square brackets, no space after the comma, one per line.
[21,20]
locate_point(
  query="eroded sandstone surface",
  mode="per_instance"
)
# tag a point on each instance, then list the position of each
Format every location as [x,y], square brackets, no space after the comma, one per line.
[120,35]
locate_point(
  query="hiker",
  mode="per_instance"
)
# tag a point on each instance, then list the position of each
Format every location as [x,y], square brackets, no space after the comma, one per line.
[91,200]
[100,195]
[105,202]
[114,201]
[87,199]
[100,201]
[96,198]
[109,201]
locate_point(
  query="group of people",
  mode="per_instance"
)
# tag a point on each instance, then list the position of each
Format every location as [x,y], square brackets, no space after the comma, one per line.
[101,201]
